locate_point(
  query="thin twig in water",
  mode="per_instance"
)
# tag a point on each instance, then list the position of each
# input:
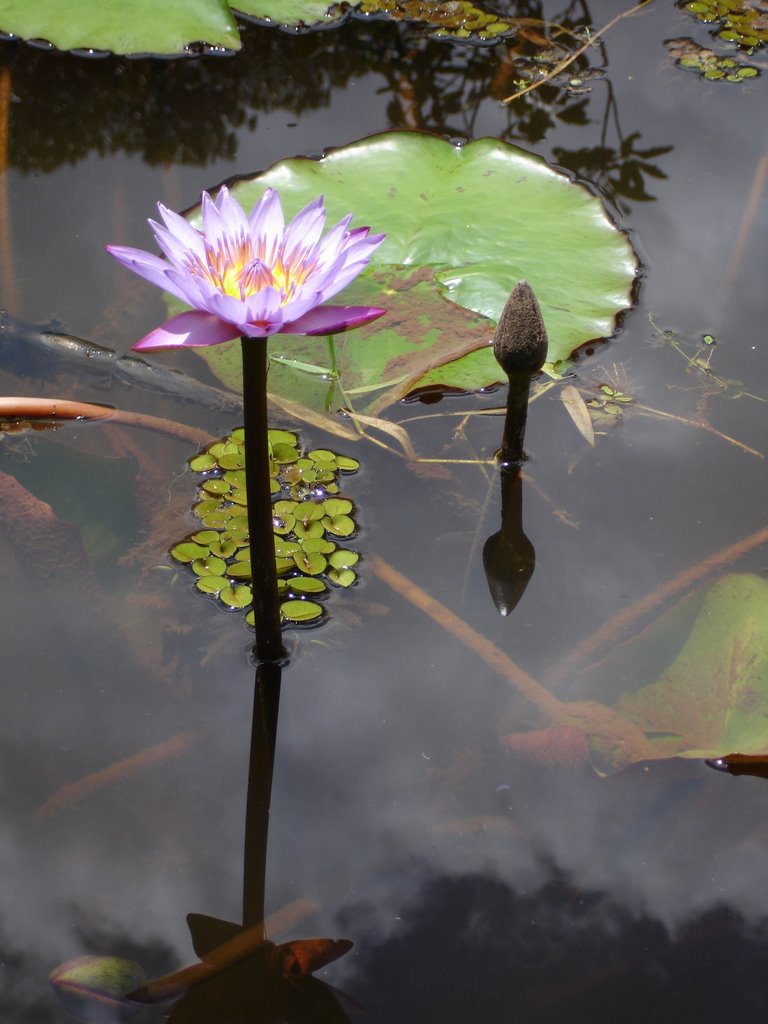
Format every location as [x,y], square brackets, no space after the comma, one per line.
[10,293]
[647,410]
[484,648]
[566,62]
[596,721]
[748,221]
[74,792]
[615,628]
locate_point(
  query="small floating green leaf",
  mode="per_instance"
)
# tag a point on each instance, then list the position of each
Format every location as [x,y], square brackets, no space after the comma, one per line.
[337,507]
[202,463]
[209,566]
[339,526]
[188,551]
[211,584]
[237,596]
[301,611]
[306,585]
[310,562]
[342,577]
[343,559]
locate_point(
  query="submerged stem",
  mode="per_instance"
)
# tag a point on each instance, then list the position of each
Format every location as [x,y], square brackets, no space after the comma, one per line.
[266,605]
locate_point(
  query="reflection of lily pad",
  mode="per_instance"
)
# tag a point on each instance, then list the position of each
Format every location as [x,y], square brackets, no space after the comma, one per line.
[712,699]
[471,221]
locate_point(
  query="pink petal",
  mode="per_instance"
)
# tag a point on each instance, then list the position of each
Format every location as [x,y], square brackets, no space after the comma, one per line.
[332,319]
[187,330]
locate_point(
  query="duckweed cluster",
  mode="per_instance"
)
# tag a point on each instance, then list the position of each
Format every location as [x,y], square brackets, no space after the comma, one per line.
[744,21]
[309,518]
[458,19]
[709,64]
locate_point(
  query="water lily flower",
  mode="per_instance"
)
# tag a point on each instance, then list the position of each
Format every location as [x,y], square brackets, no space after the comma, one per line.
[252,276]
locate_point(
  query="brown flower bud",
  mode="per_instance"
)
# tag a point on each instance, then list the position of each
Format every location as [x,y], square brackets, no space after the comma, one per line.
[520,341]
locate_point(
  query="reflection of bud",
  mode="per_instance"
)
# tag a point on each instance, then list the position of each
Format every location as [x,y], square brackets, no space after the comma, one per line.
[93,988]
[520,341]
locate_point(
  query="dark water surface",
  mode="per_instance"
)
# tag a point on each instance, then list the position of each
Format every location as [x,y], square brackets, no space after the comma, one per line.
[476,885]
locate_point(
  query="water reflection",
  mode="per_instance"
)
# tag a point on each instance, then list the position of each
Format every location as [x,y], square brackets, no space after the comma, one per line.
[242,976]
[198,110]
[509,558]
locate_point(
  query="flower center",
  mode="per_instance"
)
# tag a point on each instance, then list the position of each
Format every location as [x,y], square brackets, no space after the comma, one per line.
[242,266]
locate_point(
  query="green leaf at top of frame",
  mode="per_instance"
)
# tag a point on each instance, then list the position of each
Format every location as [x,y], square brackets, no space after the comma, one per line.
[122,26]
[465,224]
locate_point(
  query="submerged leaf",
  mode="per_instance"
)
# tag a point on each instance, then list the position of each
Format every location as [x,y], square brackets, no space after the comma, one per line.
[712,698]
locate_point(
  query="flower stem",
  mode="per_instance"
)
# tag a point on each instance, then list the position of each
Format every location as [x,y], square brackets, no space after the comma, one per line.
[266,605]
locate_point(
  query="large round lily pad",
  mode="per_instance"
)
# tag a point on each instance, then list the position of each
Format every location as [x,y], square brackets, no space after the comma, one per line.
[465,224]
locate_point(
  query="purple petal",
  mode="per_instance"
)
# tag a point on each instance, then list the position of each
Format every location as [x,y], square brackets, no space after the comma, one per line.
[333,319]
[232,213]
[267,222]
[333,243]
[306,228]
[151,268]
[176,250]
[189,236]
[189,329]
[215,225]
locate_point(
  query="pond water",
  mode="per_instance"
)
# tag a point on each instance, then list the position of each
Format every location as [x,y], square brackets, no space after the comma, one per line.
[476,882]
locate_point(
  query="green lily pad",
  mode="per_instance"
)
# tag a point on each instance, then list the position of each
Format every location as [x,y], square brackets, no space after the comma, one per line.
[122,26]
[465,224]
[712,698]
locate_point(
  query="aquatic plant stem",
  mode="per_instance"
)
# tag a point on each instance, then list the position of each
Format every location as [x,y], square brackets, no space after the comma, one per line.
[266,605]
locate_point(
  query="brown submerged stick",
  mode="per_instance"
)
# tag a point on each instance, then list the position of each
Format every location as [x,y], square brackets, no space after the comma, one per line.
[19,407]
[484,648]
[611,631]
[74,792]
[611,735]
